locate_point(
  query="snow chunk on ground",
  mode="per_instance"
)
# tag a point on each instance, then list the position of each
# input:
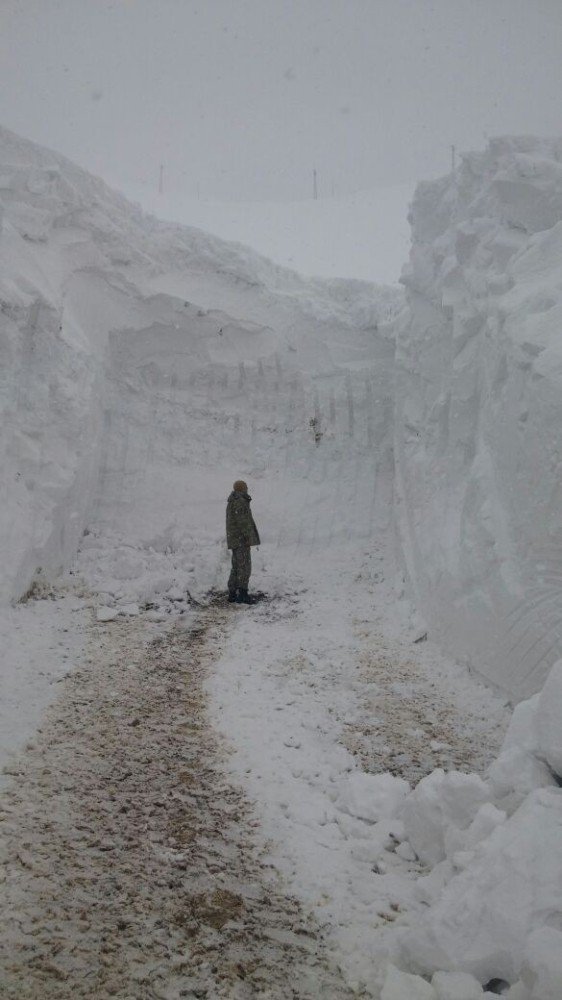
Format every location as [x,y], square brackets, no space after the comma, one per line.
[542,969]
[518,992]
[520,772]
[372,797]
[106,614]
[486,820]
[400,985]
[456,986]
[406,851]
[441,802]
[549,719]
[522,733]
[520,767]
[129,610]
[485,915]
[429,887]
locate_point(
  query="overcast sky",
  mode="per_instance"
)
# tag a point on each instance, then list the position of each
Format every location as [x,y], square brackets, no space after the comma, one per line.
[241,98]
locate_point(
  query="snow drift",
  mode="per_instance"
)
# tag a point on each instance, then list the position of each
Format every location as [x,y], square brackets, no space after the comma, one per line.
[478,404]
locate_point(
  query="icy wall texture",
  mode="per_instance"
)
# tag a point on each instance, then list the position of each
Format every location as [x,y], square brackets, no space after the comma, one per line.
[62,234]
[139,360]
[479,410]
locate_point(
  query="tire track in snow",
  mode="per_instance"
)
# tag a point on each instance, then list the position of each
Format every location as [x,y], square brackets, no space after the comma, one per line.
[128,865]
[412,723]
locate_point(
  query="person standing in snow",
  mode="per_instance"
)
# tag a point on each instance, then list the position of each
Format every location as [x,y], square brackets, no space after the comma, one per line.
[241,534]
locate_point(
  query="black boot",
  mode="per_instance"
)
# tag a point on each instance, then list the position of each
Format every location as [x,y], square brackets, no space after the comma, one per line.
[232,598]
[244,597]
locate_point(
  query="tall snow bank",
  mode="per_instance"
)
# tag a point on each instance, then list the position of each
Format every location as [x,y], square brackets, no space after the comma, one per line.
[127,347]
[479,407]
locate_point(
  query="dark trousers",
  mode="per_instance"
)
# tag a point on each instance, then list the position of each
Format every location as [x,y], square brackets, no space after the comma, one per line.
[241,569]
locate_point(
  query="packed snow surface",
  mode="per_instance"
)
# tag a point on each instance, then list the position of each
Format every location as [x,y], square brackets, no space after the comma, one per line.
[145,366]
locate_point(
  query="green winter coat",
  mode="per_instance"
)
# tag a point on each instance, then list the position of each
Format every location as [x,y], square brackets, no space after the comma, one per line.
[240,525]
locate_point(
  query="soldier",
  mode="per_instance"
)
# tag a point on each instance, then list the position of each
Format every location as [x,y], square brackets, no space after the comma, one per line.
[241,534]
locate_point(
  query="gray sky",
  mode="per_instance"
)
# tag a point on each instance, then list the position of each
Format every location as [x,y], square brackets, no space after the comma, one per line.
[242,97]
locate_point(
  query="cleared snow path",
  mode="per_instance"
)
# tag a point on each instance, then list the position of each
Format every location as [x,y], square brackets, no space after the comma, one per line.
[319,692]
[149,367]
[129,864]
[145,857]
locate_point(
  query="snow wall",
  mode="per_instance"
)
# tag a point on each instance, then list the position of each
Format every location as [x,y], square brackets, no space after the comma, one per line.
[144,366]
[478,488]
[142,361]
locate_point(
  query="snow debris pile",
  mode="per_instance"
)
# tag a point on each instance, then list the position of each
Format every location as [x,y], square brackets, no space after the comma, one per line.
[440,809]
[372,797]
[491,911]
[478,407]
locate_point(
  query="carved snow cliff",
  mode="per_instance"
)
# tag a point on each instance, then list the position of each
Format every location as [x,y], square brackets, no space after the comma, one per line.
[479,409]
[134,358]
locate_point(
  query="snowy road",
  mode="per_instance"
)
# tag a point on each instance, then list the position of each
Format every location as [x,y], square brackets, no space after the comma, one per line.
[145,856]
[129,865]
[256,765]
[319,693]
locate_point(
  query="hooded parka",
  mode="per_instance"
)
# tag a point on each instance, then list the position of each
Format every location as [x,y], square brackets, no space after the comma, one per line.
[240,525]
